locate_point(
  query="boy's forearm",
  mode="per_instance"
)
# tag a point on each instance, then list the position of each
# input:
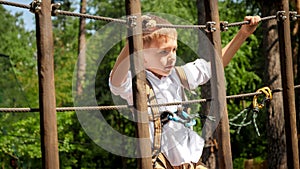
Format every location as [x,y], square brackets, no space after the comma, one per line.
[246,30]
[121,67]
[231,48]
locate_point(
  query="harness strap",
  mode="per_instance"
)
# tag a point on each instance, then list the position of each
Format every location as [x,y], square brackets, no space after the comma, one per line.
[156,114]
[185,85]
[157,123]
[182,76]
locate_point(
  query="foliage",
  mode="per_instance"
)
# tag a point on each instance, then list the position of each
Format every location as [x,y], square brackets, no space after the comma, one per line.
[20,132]
[244,75]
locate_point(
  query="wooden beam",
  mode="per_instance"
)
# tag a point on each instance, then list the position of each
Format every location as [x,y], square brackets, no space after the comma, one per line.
[222,131]
[288,92]
[133,11]
[47,103]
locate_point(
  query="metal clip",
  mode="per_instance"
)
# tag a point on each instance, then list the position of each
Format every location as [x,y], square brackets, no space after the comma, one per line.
[35,6]
[224,26]
[210,26]
[131,21]
[54,8]
[280,15]
[293,15]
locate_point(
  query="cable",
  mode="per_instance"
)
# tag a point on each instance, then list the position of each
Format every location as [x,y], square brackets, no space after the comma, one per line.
[116,107]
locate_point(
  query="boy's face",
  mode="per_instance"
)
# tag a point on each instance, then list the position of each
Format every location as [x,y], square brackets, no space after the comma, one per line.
[160,56]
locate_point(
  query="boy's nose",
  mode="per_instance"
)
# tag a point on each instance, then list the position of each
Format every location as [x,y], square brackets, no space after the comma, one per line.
[172,56]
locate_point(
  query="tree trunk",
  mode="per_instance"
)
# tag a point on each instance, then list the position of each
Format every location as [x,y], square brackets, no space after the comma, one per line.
[275,122]
[81,50]
[295,47]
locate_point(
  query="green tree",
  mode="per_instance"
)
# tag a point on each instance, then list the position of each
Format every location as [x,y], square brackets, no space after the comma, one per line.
[19,134]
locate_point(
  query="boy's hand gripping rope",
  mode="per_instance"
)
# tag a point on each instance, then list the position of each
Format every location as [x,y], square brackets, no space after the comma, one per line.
[254,108]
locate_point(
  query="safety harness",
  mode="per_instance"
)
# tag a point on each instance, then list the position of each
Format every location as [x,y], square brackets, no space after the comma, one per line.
[159,119]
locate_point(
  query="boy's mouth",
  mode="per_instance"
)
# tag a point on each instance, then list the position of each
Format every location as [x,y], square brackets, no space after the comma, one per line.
[169,67]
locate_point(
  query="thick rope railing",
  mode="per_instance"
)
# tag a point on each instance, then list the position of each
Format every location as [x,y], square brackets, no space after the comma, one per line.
[106,19]
[15,4]
[118,107]
[209,27]
[34,7]
[247,22]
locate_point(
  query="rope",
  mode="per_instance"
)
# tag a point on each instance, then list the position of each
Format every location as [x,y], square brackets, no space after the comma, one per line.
[63,109]
[254,107]
[182,26]
[15,4]
[245,115]
[116,107]
[107,19]
[247,22]
[55,11]
[209,27]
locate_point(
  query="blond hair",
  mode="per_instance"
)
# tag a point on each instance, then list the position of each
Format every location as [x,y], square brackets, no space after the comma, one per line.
[152,32]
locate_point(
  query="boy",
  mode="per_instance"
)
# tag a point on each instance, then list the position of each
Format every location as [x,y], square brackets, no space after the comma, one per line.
[180,146]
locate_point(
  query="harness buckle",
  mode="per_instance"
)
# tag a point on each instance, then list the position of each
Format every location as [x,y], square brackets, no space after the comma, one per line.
[165,117]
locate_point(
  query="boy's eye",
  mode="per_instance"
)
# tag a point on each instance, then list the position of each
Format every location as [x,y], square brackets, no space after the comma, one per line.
[164,52]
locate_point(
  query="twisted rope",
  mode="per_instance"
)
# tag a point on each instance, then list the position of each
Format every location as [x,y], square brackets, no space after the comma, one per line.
[15,4]
[182,26]
[107,19]
[247,22]
[118,107]
[243,124]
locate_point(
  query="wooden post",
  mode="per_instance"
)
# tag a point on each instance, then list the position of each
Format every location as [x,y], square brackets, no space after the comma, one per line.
[47,103]
[222,131]
[133,11]
[288,92]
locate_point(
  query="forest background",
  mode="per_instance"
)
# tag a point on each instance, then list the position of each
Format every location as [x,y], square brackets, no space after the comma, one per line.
[20,134]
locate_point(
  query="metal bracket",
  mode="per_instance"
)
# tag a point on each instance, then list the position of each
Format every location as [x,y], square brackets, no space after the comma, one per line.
[280,15]
[293,15]
[131,21]
[54,8]
[210,26]
[35,6]
[224,26]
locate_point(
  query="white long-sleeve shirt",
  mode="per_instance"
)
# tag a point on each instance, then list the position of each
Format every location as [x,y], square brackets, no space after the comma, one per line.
[179,144]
